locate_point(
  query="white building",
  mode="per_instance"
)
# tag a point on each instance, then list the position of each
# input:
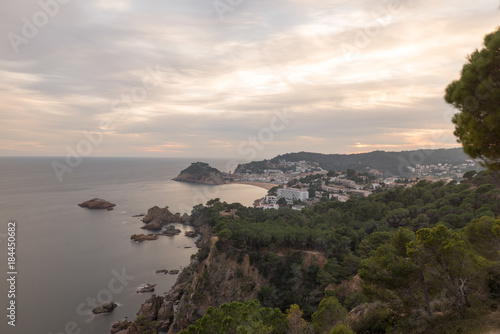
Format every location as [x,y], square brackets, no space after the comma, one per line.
[271,199]
[270,206]
[293,194]
[340,198]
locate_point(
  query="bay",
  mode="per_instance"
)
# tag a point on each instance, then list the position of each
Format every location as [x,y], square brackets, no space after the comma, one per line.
[69,258]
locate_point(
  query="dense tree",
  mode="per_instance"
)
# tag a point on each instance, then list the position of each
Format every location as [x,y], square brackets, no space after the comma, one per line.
[408,266]
[388,275]
[296,324]
[239,318]
[448,263]
[330,313]
[477,95]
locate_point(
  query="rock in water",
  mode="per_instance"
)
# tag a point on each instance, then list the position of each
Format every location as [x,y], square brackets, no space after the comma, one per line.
[143,237]
[97,203]
[170,230]
[191,234]
[104,308]
[147,288]
[157,217]
[203,173]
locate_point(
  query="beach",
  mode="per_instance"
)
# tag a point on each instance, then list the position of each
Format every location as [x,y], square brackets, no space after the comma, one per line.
[264,185]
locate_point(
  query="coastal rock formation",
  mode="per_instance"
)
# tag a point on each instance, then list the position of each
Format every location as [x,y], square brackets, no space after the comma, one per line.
[104,308]
[165,271]
[217,279]
[170,230]
[202,173]
[120,327]
[97,203]
[158,217]
[158,309]
[146,288]
[156,224]
[191,234]
[143,237]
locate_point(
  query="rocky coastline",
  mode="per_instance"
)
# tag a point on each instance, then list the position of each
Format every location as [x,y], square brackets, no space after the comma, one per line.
[211,279]
[160,309]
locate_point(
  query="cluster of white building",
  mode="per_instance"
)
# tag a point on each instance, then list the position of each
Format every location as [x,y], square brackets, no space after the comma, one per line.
[289,194]
[293,194]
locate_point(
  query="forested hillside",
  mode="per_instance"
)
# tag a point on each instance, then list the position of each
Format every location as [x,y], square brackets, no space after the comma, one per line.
[389,163]
[423,259]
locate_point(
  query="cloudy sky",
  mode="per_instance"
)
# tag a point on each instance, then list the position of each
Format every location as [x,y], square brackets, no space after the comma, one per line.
[231,78]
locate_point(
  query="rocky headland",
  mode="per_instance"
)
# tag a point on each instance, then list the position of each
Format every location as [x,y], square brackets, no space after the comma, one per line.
[202,173]
[157,218]
[210,280]
[97,203]
[157,312]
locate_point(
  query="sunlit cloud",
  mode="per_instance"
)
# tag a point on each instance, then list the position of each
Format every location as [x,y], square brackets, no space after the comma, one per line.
[221,82]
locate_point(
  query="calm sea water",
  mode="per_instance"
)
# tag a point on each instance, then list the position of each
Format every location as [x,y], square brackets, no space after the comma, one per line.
[69,258]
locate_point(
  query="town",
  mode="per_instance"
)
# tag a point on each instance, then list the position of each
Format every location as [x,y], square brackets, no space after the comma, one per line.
[303,183]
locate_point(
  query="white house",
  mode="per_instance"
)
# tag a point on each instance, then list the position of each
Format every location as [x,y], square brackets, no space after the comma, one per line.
[293,194]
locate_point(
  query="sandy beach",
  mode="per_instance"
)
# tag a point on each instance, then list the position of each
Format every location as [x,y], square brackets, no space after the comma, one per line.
[264,185]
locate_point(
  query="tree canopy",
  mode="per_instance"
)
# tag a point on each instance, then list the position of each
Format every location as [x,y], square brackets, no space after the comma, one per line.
[477,95]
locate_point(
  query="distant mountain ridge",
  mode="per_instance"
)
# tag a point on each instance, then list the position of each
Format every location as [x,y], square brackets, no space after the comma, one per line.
[389,163]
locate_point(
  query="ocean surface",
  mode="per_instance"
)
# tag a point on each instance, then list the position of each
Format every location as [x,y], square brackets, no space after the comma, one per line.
[69,258]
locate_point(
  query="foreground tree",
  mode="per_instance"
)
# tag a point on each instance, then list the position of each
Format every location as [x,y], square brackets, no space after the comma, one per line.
[329,314]
[239,318]
[477,95]
[449,263]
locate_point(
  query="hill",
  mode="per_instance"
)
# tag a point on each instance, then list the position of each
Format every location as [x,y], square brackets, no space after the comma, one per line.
[202,173]
[389,163]
[422,259]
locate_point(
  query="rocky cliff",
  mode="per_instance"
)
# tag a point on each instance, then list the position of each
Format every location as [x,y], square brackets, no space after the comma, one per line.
[202,173]
[214,277]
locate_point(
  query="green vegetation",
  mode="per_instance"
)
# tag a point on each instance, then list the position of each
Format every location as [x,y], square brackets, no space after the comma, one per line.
[477,95]
[427,255]
[389,163]
[386,162]
[201,168]
[240,318]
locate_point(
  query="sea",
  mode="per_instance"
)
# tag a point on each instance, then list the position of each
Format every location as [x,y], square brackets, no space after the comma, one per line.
[68,259]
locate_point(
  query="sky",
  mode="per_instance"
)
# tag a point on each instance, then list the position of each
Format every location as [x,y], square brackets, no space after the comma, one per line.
[243,79]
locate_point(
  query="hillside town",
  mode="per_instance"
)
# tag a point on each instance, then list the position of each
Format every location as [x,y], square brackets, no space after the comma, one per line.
[304,183]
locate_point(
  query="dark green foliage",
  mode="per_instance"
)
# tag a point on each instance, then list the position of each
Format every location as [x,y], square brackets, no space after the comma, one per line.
[239,318]
[391,163]
[330,313]
[340,329]
[376,318]
[477,96]
[413,245]
[200,168]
